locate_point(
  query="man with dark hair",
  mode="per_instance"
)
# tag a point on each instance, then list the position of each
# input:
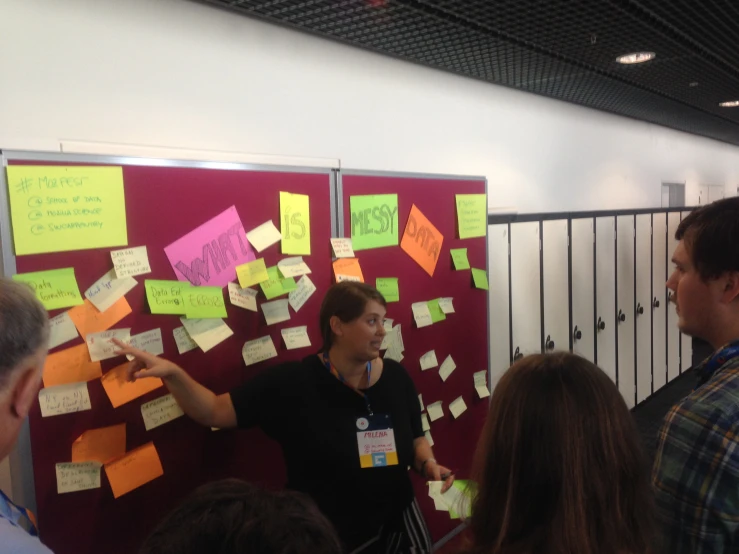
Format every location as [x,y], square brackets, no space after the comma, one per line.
[24,337]
[696,472]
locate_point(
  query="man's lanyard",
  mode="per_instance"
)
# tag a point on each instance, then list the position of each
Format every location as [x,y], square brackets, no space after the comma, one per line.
[20,517]
[710,366]
[333,371]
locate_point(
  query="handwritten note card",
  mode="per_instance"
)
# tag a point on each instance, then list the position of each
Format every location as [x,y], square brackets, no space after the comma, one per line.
[428,360]
[71,365]
[295,222]
[150,341]
[264,236]
[243,298]
[107,290]
[133,470]
[374,221]
[204,302]
[100,345]
[276,286]
[61,330]
[252,273]
[296,337]
[258,350]
[447,367]
[459,257]
[293,267]
[342,248]
[166,297]
[56,288]
[437,314]
[130,261]
[480,278]
[121,391]
[457,407]
[207,333]
[100,445]
[472,215]
[435,410]
[481,383]
[64,399]
[275,311]
[303,291]
[348,268]
[388,287]
[422,241]
[446,305]
[88,319]
[79,476]
[160,411]
[183,340]
[421,314]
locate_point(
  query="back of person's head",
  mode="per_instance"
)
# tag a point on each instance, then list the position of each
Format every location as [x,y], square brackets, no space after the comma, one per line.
[560,466]
[235,517]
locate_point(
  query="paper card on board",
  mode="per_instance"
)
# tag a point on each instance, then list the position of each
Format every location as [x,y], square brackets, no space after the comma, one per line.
[243,298]
[275,311]
[183,340]
[428,360]
[374,220]
[388,287]
[420,402]
[425,425]
[295,223]
[71,365]
[472,215]
[447,367]
[64,399]
[150,341]
[121,391]
[207,333]
[61,330]
[303,291]
[435,410]
[102,348]
[480,278]
[258,350]
[458,407]
[100,445]
[166,297]
[130,261]
[447,305]
[204,302]
[342,248]
[437,314]
[429,438]
[55,288]
[296,337]
[459,257]
[134,469]
[252,273]
[293,267]
[264,236]
[77,476]
[422,241]
[348,269]
[481,383]
[88,319]
[276,286]
[160,411]
[107,290]
[421,314]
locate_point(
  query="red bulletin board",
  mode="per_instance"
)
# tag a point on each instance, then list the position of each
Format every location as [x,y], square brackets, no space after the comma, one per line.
[163,203]
[463,334]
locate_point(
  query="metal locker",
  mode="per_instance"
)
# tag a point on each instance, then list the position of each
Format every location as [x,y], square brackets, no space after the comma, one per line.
[525,289]
[660,303]
[499,301]
[605,294]
[582,288]
[555,272]
[686,341]
[643,315]
[673,333]
[625,274]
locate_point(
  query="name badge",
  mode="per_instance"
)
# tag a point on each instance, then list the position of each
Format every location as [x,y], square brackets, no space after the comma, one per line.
[376,441]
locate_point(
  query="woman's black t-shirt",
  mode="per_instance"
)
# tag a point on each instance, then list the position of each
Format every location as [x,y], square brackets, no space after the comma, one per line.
[313,416]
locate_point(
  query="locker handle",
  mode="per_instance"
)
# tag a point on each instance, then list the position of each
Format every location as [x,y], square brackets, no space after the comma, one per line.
[655,303]
[517,355]
[639,309]
[601,324]
[549,343]
[621,316]
[577,334]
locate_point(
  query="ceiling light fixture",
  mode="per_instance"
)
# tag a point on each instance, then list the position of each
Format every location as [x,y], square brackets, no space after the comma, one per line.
[635,57]
[731,104]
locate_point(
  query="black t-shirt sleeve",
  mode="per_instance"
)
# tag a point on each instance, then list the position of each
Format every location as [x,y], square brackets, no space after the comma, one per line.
[256,402]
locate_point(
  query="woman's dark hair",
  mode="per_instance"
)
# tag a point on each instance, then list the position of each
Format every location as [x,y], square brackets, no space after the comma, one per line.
[345,300]
[560,466]
[235,517]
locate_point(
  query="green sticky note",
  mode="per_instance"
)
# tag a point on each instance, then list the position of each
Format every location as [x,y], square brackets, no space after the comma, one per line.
[204,302]
[59,208]
[437,314]
[472,215]
[459,257]
[166,297]
[276,286]
[295,223]
[374,220]
[468,490]
[388,287]
[480,277]
[56,288]
[288,284]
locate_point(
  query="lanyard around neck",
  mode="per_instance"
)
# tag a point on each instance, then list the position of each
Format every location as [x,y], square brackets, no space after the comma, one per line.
[18,516]
[718,359]
[335,372]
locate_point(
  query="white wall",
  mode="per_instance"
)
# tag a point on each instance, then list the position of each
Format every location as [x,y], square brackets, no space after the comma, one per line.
[184,75]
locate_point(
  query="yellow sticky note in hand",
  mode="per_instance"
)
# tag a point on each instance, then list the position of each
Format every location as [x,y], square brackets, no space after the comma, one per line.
[252,273]
[295,223]
[56,288]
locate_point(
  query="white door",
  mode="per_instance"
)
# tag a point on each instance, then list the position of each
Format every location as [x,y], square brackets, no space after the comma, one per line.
[660,304]
[498,297]
[643,316]
[625,308]
[686,341]
[583,288]
[525,288]
[673,333]
[605,294]
[556,285]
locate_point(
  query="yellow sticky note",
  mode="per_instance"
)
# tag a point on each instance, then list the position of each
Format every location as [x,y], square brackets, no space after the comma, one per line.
[59,208]
[252,273]
[56,288]
[472,215]
[295,223]
[136,468]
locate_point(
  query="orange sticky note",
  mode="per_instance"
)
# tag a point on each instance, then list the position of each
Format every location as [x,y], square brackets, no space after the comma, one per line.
[134,469]
[422,241]
[100,445]
[347,269]
[71,365]
[88,319]
[120,390]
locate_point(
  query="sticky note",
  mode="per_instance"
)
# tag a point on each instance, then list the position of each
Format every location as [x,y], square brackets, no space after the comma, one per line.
[100,445]
[134,469]
[295,223]
[100,345]
[446,305]
[296,337]
[425,425]
[252,273]
[289,284]
[437,314]
[88,319]
[421,314]
[388,287]
[79,476]
[459,257]
[258,350]
[166,297]
[394,352]
[387,324]
[61,330]
[207,333]
[275,311]
[447,367]
[57,208]
[435,410]
[430,440]
[480,278]
[160,411]
[374,220]
[293,267]
[420,401]
[204,302]
[472,215]
[150,341]
[183,340]
[304,289]
[348,267]
[209,254]
[428,360]
[120,390]
[263,236]
[130,261]
[342,248]
[107,290]
[422,241]
[276,286]
[71,365]
[481,383]
[243,298]
[395,338]
[55,288]
[457,407]
[64,399]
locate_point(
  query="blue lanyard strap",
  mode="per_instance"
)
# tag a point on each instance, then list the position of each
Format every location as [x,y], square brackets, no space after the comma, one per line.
[333,371]
[20,517]
[718,359]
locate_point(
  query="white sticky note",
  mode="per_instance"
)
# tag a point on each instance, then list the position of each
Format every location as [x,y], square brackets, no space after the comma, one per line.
[61,330]
[100,345]
[130,261]
[293,267]
[160,411]
[421,314]
[393,352]
[341,278]
[388,325]
[425,422]
[275,311]
[183,340]
[296,337]
[458,407]
[64,399]
[243,298]
[427,434]
[435,410]
[481,383]
[108,290]
[446,305]
[208,332]
[435,489]
[420,401]
[77,476]
[150,341]
[263,236]
[393,337]
[428,360]
[305,288]
[342,248]
[447,367]
[258,350]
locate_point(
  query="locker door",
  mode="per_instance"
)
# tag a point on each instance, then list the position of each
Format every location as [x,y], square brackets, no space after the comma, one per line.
[583,288]
[686,341]
[643,316]
[605,294]
[499,299]
[625,308]
[673,333]
[525,288]
[660,305]
[555,272]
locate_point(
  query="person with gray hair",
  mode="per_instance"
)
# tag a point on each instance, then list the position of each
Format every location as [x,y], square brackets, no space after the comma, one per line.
[24,340]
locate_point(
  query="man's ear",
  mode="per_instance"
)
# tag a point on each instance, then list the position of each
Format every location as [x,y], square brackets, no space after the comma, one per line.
[25,391]
[731,287]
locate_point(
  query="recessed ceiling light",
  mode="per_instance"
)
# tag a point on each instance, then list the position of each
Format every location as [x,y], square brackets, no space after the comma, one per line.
[732,104]
[635,57]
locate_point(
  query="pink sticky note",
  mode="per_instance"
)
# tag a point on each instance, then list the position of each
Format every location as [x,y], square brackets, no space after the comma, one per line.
[209,254]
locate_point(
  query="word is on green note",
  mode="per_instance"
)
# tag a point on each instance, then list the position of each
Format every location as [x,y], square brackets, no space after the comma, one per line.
[56,288]
[374,221]
[472,215]
[459,257]
[388,287]
[166,297]
[204,302]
